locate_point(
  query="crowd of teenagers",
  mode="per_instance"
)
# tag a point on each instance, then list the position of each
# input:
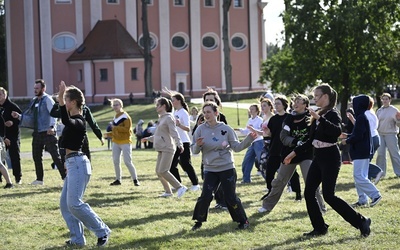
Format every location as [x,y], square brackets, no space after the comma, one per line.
[280,134]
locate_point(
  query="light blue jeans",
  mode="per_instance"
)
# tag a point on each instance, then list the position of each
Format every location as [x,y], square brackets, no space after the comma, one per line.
[365,188]
[389,141]
[126,150]
[75,212]
[252,152]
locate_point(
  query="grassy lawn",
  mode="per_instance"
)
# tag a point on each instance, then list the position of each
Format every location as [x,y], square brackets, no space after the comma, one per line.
[30,217]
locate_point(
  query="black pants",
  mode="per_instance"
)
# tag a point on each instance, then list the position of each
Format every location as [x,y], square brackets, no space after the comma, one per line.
[218,193]
[14,152]
[185,161]
[295,182]
[227,181]
[42,141]
[325,169]
[273,164]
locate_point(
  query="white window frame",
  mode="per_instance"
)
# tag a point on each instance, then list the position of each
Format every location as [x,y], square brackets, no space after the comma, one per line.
[185,37]
[245,41]
[212,4]
[216,38]
[64,34]
[155,39]
[179,5]
[62,1]
[116,2]
[238,7]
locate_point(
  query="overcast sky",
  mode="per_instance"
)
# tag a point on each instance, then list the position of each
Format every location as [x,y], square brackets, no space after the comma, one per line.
[273,23]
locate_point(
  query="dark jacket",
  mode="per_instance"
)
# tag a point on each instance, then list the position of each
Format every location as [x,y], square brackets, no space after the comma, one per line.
[12,132]
[360,138]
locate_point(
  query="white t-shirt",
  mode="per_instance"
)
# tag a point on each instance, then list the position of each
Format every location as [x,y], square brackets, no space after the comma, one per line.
[256,123]
[183,116]
[373,122]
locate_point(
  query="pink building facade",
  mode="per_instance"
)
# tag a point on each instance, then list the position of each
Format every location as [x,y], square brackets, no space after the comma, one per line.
[52,39]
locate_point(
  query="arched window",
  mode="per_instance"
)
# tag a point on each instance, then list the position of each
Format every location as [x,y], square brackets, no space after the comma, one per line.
[64,42]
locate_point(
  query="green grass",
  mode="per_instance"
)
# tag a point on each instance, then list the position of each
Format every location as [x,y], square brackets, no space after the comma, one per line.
[30,217]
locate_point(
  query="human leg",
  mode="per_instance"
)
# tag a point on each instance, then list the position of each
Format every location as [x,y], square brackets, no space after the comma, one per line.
[393,148]
[211,180]
[162,169]
[51,144]
[273,164]
[305,167]
[228,184]
[278,185]
[127,154]
[174,165]
[365,188]
[116,155]
[37,154]
[186,163]
[248,163]
[79,171]
[381,157]
[14,152]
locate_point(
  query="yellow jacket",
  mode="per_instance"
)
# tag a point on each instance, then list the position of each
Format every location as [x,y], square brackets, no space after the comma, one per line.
[122,130]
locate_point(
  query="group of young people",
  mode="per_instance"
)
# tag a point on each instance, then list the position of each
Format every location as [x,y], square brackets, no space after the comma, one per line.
[304,137]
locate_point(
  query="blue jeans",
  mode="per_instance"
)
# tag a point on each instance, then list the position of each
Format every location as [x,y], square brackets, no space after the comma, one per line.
[252,152]
[389,141]
[365,188]
[75,212]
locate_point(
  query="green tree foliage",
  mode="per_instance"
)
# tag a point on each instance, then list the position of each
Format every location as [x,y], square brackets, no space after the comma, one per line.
[353,45]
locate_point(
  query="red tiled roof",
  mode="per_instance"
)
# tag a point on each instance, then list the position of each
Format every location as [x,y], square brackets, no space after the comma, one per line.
[108,40]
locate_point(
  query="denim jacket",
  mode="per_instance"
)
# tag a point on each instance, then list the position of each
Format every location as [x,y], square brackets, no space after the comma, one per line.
[45,121]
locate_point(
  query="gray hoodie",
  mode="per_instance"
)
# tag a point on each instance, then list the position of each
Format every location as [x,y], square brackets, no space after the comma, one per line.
[219,142]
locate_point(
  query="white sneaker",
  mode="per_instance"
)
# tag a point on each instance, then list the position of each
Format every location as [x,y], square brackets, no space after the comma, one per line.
[263,210]
[195,188]
[181,191]
[37,182]
[165,195]
[378,177]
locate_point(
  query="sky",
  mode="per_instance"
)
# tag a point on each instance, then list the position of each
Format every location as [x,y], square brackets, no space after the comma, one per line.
[273,23]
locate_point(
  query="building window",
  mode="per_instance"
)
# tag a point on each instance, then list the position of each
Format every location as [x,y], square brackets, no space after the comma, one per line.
[79,77]
[239,42]
[179,3]
[103,75]
[113,1]
[180,41]
[210,41]
[64,42]
[153,41]
[209,3]
[63,1]
[134,74]
[237,3]
[149,2]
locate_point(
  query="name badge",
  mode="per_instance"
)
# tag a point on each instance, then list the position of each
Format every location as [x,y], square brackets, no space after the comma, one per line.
[36,105]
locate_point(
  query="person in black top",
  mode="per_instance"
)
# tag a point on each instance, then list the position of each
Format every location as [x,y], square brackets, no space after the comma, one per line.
[87,114]
[324,133]
[275,127]
[75,212]
[9,130]
[295,132]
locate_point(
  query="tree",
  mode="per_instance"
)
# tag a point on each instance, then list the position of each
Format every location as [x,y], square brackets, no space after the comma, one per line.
[148,58]
[3,56]
[225,39]
[353,45]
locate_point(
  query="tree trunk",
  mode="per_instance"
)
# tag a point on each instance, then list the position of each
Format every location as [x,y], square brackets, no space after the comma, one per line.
[148,61]
[227,50]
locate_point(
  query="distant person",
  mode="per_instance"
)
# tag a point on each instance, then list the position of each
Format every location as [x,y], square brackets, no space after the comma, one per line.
[131,98]
[139,133]
[254,150]
[37,117]
[166,139]
[149,130]
[9,130]
[121,132]
[389,120]
[361,148]
[75,212]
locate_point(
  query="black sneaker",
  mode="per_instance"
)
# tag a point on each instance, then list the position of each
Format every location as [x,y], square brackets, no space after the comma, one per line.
[115,183]
[197,225]
[375,201]
[243,225]
[315,233]
[298,197]
[358,204]
[136,182]
[70,243]
[365,227]
[101,242]
[8,185]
